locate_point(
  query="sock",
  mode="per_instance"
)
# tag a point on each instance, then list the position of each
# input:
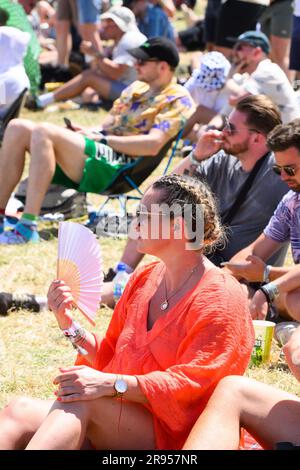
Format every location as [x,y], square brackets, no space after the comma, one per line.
[129,269]
[29,221]
[2,215]
[44,100]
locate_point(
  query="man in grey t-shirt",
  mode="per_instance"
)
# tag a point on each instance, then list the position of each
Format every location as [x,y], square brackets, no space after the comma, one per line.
[225,175]
[243,142]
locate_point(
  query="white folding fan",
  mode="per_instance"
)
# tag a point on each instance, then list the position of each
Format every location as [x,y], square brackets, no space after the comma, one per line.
[79,265]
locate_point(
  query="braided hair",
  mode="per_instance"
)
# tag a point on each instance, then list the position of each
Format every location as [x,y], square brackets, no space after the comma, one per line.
[185,190]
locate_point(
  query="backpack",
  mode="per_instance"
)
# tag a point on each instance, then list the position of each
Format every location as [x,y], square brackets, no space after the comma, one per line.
[58,200]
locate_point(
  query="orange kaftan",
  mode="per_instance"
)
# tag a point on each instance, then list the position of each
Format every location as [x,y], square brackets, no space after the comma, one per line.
[178,363]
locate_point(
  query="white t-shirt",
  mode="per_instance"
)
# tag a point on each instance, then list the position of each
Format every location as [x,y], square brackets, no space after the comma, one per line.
[120,53]
[13,78]
[214,100]
[296,7]
[270,80]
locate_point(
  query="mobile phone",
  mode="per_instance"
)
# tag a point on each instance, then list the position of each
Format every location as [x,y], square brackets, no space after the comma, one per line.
[68,124]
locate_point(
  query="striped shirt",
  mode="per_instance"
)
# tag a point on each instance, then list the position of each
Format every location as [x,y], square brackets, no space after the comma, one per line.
[284,225]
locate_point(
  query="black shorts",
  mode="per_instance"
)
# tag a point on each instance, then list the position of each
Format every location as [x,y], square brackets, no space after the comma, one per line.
[210,20]
[295,45]
[236,17]
[193,38]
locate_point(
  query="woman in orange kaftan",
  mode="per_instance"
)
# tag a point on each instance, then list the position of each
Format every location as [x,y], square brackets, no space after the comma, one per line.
[181,325]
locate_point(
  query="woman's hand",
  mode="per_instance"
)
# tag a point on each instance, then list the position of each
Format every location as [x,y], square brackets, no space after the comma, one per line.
[259,306]
[252,269]
[79,383]
[60,301]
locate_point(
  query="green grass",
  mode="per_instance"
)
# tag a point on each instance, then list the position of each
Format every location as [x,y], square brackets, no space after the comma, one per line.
[32,347]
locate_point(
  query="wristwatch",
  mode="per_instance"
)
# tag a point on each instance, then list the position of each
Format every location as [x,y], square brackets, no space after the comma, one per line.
[120,386]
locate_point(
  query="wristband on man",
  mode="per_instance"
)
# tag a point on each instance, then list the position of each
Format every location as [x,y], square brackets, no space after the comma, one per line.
[193,160]
[271,291]
[266,275]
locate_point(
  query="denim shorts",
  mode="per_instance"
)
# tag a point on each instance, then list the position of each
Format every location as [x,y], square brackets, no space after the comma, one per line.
[89,11]
[116,89]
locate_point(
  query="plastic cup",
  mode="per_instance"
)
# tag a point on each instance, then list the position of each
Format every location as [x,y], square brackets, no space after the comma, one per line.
[264,331]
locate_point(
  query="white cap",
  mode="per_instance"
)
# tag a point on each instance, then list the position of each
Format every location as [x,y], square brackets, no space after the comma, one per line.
[122,16]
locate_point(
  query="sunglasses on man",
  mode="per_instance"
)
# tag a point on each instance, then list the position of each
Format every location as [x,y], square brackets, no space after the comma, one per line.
[288,169]
[144,61]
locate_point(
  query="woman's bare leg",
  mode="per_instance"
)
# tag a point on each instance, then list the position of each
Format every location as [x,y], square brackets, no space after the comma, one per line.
[106,422]
[269,414]
[19,420]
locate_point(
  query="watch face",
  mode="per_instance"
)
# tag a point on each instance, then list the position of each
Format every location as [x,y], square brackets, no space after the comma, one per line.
[121,386]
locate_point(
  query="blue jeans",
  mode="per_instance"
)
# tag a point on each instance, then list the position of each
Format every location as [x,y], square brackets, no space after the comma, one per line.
[89,11]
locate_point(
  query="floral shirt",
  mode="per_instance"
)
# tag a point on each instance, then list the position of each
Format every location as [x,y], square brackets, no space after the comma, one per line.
[138,110]
[285,223]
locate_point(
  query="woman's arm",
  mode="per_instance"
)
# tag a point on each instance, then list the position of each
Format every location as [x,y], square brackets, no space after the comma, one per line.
[60,301]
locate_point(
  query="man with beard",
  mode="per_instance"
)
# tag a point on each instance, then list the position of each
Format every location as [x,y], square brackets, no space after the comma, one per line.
[225,160]
[284,226]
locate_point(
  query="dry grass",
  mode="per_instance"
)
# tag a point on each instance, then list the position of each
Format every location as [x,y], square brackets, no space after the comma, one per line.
[31,346]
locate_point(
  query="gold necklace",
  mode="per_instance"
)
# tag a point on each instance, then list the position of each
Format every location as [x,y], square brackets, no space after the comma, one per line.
[165,304]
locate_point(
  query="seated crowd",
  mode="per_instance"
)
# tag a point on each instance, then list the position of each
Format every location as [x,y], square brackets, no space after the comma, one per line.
[181,335]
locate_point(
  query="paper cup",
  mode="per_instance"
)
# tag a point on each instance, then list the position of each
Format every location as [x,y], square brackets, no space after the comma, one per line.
[264,331]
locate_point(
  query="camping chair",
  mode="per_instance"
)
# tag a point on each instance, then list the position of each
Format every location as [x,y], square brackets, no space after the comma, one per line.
[12,112]
[129,178]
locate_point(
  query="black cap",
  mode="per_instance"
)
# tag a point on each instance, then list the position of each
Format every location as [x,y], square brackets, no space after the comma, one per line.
[157,48]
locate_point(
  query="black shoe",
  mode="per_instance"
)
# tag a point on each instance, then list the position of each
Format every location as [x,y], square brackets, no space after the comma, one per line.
[5,303]
[25,301]
[31,103]
[109,276]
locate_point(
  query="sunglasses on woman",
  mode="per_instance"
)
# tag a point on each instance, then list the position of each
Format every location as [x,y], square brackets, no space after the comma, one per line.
[289,170]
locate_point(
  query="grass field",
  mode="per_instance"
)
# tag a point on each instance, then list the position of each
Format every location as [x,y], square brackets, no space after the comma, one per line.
[31,346]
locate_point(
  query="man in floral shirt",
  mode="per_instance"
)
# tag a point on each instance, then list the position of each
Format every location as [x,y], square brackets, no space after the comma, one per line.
[148,114]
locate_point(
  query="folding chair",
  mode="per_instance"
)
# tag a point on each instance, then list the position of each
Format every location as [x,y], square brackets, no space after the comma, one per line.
[131,176]
[12,112]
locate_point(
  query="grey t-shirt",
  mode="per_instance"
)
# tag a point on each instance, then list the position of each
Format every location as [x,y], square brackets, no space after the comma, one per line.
[225,176]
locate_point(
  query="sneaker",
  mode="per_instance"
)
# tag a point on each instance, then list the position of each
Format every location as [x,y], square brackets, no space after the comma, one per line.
[5,302]
[32,104]
[13,237]
[110,275]
[186,150]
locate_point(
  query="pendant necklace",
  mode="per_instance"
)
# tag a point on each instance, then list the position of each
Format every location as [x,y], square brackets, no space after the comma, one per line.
[165,304]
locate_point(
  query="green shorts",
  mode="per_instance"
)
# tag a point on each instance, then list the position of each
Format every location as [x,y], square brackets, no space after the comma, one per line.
[101,167]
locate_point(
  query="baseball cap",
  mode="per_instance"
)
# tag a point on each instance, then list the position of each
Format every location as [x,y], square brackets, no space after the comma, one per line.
[122,16]
[213,71]
[256,39]
[157,48]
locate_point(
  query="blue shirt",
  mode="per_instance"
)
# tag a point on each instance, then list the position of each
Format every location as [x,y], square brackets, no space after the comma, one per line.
[155,23]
